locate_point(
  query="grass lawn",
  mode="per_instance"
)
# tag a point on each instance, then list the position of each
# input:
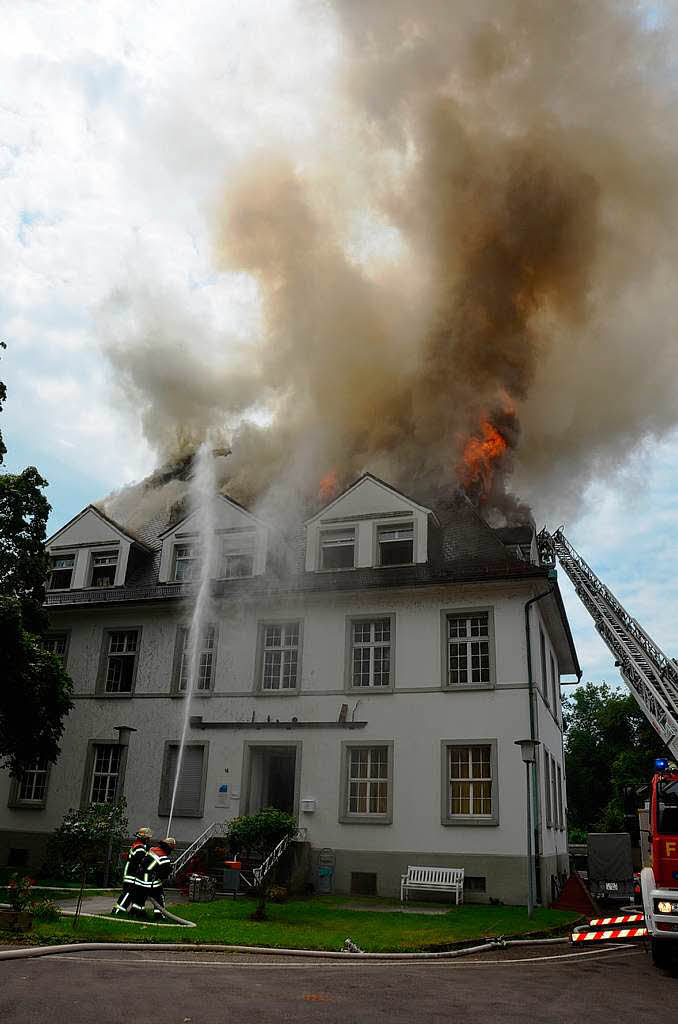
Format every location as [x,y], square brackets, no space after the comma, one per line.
[317,923]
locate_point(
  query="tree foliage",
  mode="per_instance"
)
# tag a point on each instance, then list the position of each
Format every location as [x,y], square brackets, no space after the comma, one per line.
[80,845]
[259,834]
[609,754]
[35,690]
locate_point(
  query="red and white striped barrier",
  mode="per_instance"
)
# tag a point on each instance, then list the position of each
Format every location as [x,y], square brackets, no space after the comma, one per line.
[610,933]
[624,919]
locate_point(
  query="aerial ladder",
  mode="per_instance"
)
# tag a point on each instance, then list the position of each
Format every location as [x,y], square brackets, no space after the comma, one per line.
[652,678]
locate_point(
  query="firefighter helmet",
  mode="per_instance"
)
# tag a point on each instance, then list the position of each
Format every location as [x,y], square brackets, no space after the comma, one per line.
[144,833]
[169,841]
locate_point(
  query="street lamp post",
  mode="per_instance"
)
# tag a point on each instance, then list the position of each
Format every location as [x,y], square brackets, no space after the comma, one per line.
[528,751]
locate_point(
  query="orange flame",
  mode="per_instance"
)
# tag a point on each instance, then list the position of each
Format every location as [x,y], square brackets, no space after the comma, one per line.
[329,485]
[479,457]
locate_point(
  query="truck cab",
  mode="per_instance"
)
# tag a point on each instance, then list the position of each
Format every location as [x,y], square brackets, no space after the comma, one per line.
[659,883]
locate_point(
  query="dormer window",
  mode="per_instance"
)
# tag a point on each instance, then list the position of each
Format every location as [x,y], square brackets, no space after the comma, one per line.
[61,572]
[186,562]
[396,544]
[237,556]
[337,549]
[103,569]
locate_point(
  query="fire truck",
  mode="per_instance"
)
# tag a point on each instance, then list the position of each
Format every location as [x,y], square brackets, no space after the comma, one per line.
[652,678]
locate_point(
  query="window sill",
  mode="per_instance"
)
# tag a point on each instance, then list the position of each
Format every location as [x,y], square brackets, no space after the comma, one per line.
[473,822]
[277,693]
[27,805]
[464,687]
[367,819]
[101,694]
[181,814]
[370,689]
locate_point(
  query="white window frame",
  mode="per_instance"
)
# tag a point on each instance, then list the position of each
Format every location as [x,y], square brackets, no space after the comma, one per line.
[289,648]
[49,642]
[64,556]
[471,617]
[167,781]
[372,780]
[395,528]
[192,559]
[341,537]
[104,681]
[235,546]
[542,659]
[561,816]
[554,795]
[370,645]
[547,789]
[206,657]
[447,781]
[103,559]
[111,771]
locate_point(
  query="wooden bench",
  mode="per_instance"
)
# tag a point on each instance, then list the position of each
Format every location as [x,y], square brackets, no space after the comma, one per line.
[425,879]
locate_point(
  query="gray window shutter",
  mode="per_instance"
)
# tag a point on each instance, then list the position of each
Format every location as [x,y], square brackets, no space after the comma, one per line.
[189,790]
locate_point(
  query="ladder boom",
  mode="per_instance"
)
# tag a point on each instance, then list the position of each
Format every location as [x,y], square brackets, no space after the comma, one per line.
[649,674]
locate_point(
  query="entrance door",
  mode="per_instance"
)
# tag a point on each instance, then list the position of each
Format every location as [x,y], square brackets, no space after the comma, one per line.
[271,778]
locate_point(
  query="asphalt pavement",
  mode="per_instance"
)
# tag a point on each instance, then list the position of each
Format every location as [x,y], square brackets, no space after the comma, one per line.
[525,984]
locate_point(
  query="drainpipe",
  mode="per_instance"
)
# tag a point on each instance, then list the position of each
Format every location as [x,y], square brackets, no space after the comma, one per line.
[533,736]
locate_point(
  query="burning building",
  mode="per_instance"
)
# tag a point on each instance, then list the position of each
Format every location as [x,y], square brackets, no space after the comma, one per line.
[371,678]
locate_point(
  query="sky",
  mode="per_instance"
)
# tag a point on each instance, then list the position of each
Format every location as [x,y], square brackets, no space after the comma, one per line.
[120,125]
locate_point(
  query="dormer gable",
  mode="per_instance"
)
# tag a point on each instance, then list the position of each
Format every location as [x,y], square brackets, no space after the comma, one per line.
[369,524]
[89,551]
[239,548]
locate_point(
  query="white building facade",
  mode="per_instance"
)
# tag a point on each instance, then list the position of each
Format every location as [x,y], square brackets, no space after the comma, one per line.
[376,692]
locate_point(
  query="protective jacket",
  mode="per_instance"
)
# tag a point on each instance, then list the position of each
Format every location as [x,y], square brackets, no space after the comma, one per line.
[131,875]
[156,868]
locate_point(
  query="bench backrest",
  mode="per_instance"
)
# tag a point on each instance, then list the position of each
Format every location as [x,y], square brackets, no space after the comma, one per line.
[436,876]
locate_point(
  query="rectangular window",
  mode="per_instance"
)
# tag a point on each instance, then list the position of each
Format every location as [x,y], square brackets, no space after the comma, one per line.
[190,788]
[61,572]
[120,660]
[103,569]
[204,658]
[554,686]
[237,556]
[547,790]
[56,643]
[105,773]
[542,653]
[396,544]
[371,653]
[280,655]
[368,781]
[33,783]
[554,794]
[186,562]
[337,549]
[470,781]
[468,650]
[561,818]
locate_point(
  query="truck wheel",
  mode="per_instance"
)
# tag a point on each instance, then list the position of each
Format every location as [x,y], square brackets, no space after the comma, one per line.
[662,953]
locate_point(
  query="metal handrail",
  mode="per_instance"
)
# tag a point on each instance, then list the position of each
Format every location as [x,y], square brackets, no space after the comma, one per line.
[273,857]
[216,828]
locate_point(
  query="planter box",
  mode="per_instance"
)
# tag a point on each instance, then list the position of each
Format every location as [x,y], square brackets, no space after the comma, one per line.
[16,920]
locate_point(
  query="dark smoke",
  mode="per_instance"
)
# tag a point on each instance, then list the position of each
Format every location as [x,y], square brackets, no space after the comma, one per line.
[523,156]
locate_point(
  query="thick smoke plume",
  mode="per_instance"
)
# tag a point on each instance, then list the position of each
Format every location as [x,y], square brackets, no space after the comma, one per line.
[515,166]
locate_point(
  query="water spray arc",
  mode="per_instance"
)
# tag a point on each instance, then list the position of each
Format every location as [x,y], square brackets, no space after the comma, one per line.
[202,492]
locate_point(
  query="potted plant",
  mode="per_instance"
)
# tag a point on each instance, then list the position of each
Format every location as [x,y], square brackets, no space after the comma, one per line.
[19,916]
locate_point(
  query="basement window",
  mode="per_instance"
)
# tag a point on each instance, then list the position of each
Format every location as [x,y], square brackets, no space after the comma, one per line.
[363,883]
[61,572]
[103,569]
[396,544]
[475,883]
[337,549]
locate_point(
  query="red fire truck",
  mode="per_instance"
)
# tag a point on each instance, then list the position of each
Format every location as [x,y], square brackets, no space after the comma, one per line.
[659,883]
[652,678]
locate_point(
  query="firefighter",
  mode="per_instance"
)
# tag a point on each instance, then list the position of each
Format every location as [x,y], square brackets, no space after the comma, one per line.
[156,869]
[132,873]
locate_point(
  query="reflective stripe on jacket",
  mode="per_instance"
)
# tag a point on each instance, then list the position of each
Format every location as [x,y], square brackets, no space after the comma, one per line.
[135,860]
[156,868]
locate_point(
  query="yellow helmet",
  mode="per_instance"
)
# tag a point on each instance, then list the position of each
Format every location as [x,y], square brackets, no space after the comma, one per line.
[169,841]
[144,833]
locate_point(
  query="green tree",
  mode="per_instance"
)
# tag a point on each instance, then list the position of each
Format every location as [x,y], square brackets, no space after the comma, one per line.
[35,691]
[609,754]
[81,844]
[259,834]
